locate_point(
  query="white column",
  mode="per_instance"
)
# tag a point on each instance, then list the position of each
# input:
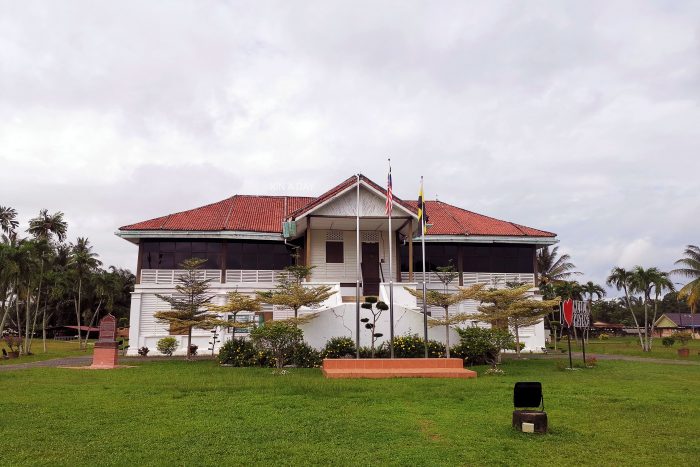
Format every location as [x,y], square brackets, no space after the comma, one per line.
[134,323]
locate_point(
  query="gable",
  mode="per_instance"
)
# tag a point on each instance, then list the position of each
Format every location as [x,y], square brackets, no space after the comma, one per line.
[665,322]
[345,205]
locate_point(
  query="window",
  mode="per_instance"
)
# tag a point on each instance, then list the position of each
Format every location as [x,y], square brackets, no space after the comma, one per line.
[334,252]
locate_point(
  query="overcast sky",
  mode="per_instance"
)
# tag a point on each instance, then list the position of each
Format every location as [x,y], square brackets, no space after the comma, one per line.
[580,118]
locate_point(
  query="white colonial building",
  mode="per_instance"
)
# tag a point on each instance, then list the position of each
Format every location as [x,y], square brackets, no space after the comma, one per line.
[248,240]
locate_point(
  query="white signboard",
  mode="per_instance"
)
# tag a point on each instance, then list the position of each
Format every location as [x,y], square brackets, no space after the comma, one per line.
[582,314]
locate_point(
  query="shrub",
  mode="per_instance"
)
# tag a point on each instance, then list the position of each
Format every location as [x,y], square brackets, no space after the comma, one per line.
[603,336]
[668,341]
[683,336]
[412,346]
[305,356]
[381,351]
[167,346]
[143,351]
[238,352]
[279,338]
[479,346]
[193,349]
[339,347]
[13,343]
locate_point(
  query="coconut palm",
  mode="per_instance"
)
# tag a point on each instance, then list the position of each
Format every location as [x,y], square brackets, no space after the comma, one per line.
[590,288]
[553,269]
[622,279]
[660,283]
[83,261]
[8,219]
[44,227]
[691,270]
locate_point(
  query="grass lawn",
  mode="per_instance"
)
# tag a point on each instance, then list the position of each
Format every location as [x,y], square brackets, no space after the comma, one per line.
[631,346]
[54,349]
[196,413]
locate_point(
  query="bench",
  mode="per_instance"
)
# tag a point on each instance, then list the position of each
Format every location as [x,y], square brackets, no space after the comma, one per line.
[396,368]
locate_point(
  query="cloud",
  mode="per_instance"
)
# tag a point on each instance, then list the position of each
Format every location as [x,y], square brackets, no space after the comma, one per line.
[579,118]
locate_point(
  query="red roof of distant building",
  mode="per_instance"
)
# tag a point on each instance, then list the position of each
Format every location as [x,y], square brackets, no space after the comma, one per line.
[250,213]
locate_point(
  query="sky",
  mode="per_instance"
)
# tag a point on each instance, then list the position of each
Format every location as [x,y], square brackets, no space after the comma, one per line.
[580,118]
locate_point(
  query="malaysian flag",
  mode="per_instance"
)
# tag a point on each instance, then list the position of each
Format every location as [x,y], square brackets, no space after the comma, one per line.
[389,194]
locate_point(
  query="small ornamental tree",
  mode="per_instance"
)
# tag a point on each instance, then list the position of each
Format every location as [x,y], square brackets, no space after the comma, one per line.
[292,294]
[167,346]
[190,309]
[513,307]
[235,303]
[445,300]
[280,338]
[376,308]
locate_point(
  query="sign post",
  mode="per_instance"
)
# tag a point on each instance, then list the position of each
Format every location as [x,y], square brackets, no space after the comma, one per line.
[582,319]
[567,308]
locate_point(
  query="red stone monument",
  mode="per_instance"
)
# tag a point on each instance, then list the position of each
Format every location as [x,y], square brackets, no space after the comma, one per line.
[106,348]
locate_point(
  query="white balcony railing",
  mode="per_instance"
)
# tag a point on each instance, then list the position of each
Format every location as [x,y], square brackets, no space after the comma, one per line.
[497,279]
[169,276]
[254,275]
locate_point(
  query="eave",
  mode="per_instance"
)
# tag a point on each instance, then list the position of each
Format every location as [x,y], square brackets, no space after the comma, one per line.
[135,235]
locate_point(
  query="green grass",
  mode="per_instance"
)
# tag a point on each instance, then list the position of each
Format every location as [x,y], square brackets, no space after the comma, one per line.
[54,349]
[630,346]
[196,413]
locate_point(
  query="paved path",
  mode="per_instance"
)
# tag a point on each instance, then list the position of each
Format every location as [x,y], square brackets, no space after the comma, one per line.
[66,361]
[626,358]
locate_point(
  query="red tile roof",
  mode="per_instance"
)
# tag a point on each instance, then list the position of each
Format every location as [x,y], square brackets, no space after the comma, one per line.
[266,213]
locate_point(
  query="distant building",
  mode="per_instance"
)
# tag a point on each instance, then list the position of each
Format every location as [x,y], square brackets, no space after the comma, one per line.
[242,239]
[670,323]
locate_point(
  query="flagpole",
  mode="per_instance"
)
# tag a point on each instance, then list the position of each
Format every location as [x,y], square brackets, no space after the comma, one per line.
[391,276]
[425,298]
[357,270]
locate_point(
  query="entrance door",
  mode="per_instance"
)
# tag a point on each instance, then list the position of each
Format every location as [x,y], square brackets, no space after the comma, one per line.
[370,268]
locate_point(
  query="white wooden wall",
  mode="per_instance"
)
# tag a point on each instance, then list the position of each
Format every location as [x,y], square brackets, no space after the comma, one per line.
[345,271]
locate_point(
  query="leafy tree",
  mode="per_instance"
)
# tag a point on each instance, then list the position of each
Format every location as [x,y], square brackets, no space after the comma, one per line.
[690,268]
[292,294]
[552,269]
[235,303]
[279,338]
[190,308]
[513,307]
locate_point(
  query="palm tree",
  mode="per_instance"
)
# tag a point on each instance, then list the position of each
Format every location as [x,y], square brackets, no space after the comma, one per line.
[622,279]
[8,220]
[690,269]
[660,282]
[642,281]
[590,288]
[83,261]
[553,269]
[43,228]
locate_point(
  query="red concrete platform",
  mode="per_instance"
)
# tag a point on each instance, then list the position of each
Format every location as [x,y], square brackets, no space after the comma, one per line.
[396,368]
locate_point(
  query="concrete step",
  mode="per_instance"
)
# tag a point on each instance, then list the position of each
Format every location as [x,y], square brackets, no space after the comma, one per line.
[399,373]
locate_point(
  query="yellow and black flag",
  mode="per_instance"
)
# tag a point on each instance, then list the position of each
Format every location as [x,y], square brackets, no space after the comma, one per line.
[421,208]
